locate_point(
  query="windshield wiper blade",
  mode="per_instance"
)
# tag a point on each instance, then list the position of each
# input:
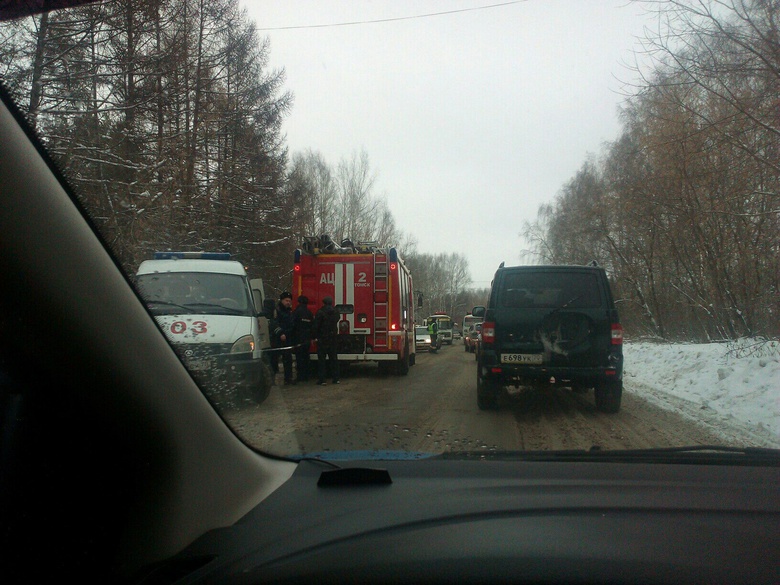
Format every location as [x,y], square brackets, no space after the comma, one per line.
[567,303]
[214,306]
[713,453]
[694,454]
[166,303]
[708,448]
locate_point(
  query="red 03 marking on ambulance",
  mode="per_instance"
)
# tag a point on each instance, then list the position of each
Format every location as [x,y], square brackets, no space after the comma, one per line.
[179,327]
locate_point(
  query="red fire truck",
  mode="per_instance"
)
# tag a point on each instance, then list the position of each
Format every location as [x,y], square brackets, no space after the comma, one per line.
[371,288]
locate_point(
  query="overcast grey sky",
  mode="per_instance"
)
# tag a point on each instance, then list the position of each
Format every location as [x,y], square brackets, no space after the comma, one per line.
[470,119]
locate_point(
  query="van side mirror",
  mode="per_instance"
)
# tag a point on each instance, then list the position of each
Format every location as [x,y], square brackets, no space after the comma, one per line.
[478,311]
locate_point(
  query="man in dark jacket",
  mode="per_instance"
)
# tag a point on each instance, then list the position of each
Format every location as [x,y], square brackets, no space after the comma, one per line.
[302,323]
[325,330]
[282,333]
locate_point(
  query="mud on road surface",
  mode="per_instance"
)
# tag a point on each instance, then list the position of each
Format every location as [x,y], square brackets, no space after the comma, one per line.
[434,409]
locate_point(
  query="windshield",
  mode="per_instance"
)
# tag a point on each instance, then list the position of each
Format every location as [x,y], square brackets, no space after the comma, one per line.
[195,293]
[322,144]
[442,322]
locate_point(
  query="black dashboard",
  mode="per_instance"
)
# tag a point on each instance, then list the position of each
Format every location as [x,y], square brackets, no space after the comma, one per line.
[488,521]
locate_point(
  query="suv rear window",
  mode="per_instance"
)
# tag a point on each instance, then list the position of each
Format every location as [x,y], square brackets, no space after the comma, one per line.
[545,290]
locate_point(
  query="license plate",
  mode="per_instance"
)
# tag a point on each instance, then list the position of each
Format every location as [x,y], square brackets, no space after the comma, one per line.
[521,358]
[199,365]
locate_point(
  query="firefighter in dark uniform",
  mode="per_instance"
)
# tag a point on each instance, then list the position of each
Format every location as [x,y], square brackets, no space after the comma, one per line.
[282,334]
[325,332]
[302,324]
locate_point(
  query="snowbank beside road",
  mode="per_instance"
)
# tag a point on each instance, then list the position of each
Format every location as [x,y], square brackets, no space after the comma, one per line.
[729,382]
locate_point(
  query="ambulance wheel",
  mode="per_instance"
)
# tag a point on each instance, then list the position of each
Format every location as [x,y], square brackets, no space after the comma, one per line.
[263,388]
[260,392]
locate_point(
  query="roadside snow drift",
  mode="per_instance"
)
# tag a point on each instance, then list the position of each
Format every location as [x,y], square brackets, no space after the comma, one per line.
[728,386]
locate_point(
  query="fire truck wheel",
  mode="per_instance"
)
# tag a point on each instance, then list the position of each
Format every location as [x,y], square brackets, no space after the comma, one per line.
[402,365]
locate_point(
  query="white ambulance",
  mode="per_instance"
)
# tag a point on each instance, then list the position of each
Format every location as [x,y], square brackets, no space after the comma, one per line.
[212,314]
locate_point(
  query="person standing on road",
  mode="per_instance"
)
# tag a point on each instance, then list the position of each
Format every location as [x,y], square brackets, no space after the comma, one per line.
[302,324]
[433,331]
[325,330]
[282,329]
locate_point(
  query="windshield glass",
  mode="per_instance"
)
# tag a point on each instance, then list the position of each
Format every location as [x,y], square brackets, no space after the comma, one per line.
[630,148]
[441,322]
[468,321]
[195,293]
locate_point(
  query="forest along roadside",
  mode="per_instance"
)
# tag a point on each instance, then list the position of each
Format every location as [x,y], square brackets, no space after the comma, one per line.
[434,409]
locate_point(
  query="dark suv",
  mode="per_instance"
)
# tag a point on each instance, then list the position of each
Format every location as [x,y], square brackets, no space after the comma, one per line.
[551,325]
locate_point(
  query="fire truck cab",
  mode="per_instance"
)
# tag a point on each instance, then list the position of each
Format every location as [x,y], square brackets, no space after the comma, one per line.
[372,291]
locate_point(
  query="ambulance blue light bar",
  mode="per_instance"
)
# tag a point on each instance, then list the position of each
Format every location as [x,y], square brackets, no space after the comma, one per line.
[192,255]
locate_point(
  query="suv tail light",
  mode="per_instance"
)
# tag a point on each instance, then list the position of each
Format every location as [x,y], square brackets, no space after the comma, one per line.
[488,332]
[617,334]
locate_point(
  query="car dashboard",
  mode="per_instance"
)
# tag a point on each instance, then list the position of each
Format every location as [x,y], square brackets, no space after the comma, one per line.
[499,521]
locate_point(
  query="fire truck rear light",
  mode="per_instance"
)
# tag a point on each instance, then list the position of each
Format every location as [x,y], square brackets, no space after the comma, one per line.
[380,297]
[343,326]
[617,334]
[393,266]
[362,318]
[297,268]
[393,327]
[488,332]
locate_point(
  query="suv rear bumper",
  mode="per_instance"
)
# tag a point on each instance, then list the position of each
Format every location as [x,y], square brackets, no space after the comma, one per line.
[508,374]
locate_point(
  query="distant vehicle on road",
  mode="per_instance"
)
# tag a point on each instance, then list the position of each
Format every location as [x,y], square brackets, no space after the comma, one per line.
[471,337]
[444,323]
[468,321]
[422,338]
